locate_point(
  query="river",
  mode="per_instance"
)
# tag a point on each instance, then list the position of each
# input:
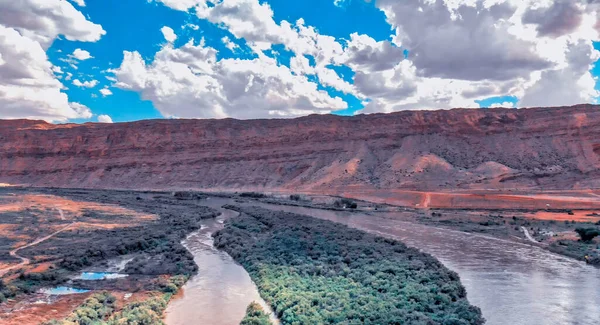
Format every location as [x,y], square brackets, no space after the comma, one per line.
[512,283]
[222,289]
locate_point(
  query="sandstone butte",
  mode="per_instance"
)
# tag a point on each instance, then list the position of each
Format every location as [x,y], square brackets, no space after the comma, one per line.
[446,158]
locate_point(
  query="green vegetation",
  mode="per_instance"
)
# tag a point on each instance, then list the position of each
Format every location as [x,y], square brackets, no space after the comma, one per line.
[255,315]
[587,234]
[253,195]
[94,310]
[318,272]
[30,283]
[156,242]
[147,312]
[99,309]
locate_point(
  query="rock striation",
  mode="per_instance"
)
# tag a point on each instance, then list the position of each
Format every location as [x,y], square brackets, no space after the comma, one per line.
[527,149]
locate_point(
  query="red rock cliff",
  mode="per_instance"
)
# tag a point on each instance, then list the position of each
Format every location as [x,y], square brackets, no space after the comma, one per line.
[538,148]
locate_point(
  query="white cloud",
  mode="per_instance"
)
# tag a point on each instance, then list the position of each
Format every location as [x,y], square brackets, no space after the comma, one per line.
[80,3]
[462,51]
[81,55]
[229,44]
[85,84]
[28,86]
[82,111]
[192,26]
[363,53]
[103,118]
[338,3]
[44,20]
[458,51]
[56,69]
[190,82]
[169,34]
[503,104]
[572,84]
[105,92]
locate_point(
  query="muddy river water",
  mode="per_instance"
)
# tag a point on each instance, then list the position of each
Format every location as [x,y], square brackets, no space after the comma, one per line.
[512,283]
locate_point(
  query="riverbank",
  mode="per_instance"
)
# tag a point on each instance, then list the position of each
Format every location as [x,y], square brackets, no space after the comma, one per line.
[85,229]
[550,229]
[489,256]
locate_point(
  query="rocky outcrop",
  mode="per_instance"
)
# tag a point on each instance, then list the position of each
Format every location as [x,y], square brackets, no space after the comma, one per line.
[537,148]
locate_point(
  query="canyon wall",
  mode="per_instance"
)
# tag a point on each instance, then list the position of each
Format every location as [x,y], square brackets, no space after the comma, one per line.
[508,149]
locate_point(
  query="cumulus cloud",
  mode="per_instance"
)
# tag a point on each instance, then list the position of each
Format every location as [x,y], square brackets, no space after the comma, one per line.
[80,3]
[573,84]
[81,55]
[366,54]
[254,22]
[28,86]
[560,18]
[44,20]
[85,84]
[457,52]
[462,51]
[191,82]
[105,92]
[169,34]
[103,118]
[81,110]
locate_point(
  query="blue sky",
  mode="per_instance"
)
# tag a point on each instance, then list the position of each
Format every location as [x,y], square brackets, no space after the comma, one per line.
[276,58]
[141,32]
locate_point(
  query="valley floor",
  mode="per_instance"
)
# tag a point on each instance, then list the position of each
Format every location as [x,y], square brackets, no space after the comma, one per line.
[49,236]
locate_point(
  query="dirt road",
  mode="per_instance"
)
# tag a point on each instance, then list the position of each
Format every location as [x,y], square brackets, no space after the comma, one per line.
[24,260]
[531,239]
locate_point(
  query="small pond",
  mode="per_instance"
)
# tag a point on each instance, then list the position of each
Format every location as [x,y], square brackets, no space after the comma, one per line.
[95,276]
[60,291]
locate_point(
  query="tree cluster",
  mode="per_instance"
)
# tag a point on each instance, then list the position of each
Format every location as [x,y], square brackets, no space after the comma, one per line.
[587,234]
[317,272]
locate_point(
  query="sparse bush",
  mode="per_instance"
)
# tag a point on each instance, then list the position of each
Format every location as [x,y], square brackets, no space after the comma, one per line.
[345,204]
[255,315]
[94,310]
[295,197]
[253,195]
[587,234]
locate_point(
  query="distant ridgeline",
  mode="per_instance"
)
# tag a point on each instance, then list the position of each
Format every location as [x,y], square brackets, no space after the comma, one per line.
[318,272]
[558,148]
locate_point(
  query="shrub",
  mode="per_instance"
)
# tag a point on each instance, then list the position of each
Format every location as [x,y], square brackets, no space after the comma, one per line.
[587,234]
[255,315]
[253,195]
[295,197]
[94,310]
[345,204]
[318,272]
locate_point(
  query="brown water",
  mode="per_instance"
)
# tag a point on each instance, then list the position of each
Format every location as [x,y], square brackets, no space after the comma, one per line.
[512,283]
[222,289]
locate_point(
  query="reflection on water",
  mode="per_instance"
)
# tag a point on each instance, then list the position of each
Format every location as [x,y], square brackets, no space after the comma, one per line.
[222,289]
[512,283]
[60,291]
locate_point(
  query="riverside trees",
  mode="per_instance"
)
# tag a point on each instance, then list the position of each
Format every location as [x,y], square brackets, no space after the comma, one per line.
[318,272]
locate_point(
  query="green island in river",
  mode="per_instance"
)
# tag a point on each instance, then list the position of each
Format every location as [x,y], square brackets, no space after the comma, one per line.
[318,272]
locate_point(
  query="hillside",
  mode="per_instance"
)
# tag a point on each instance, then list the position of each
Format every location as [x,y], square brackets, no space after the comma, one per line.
[530,149]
